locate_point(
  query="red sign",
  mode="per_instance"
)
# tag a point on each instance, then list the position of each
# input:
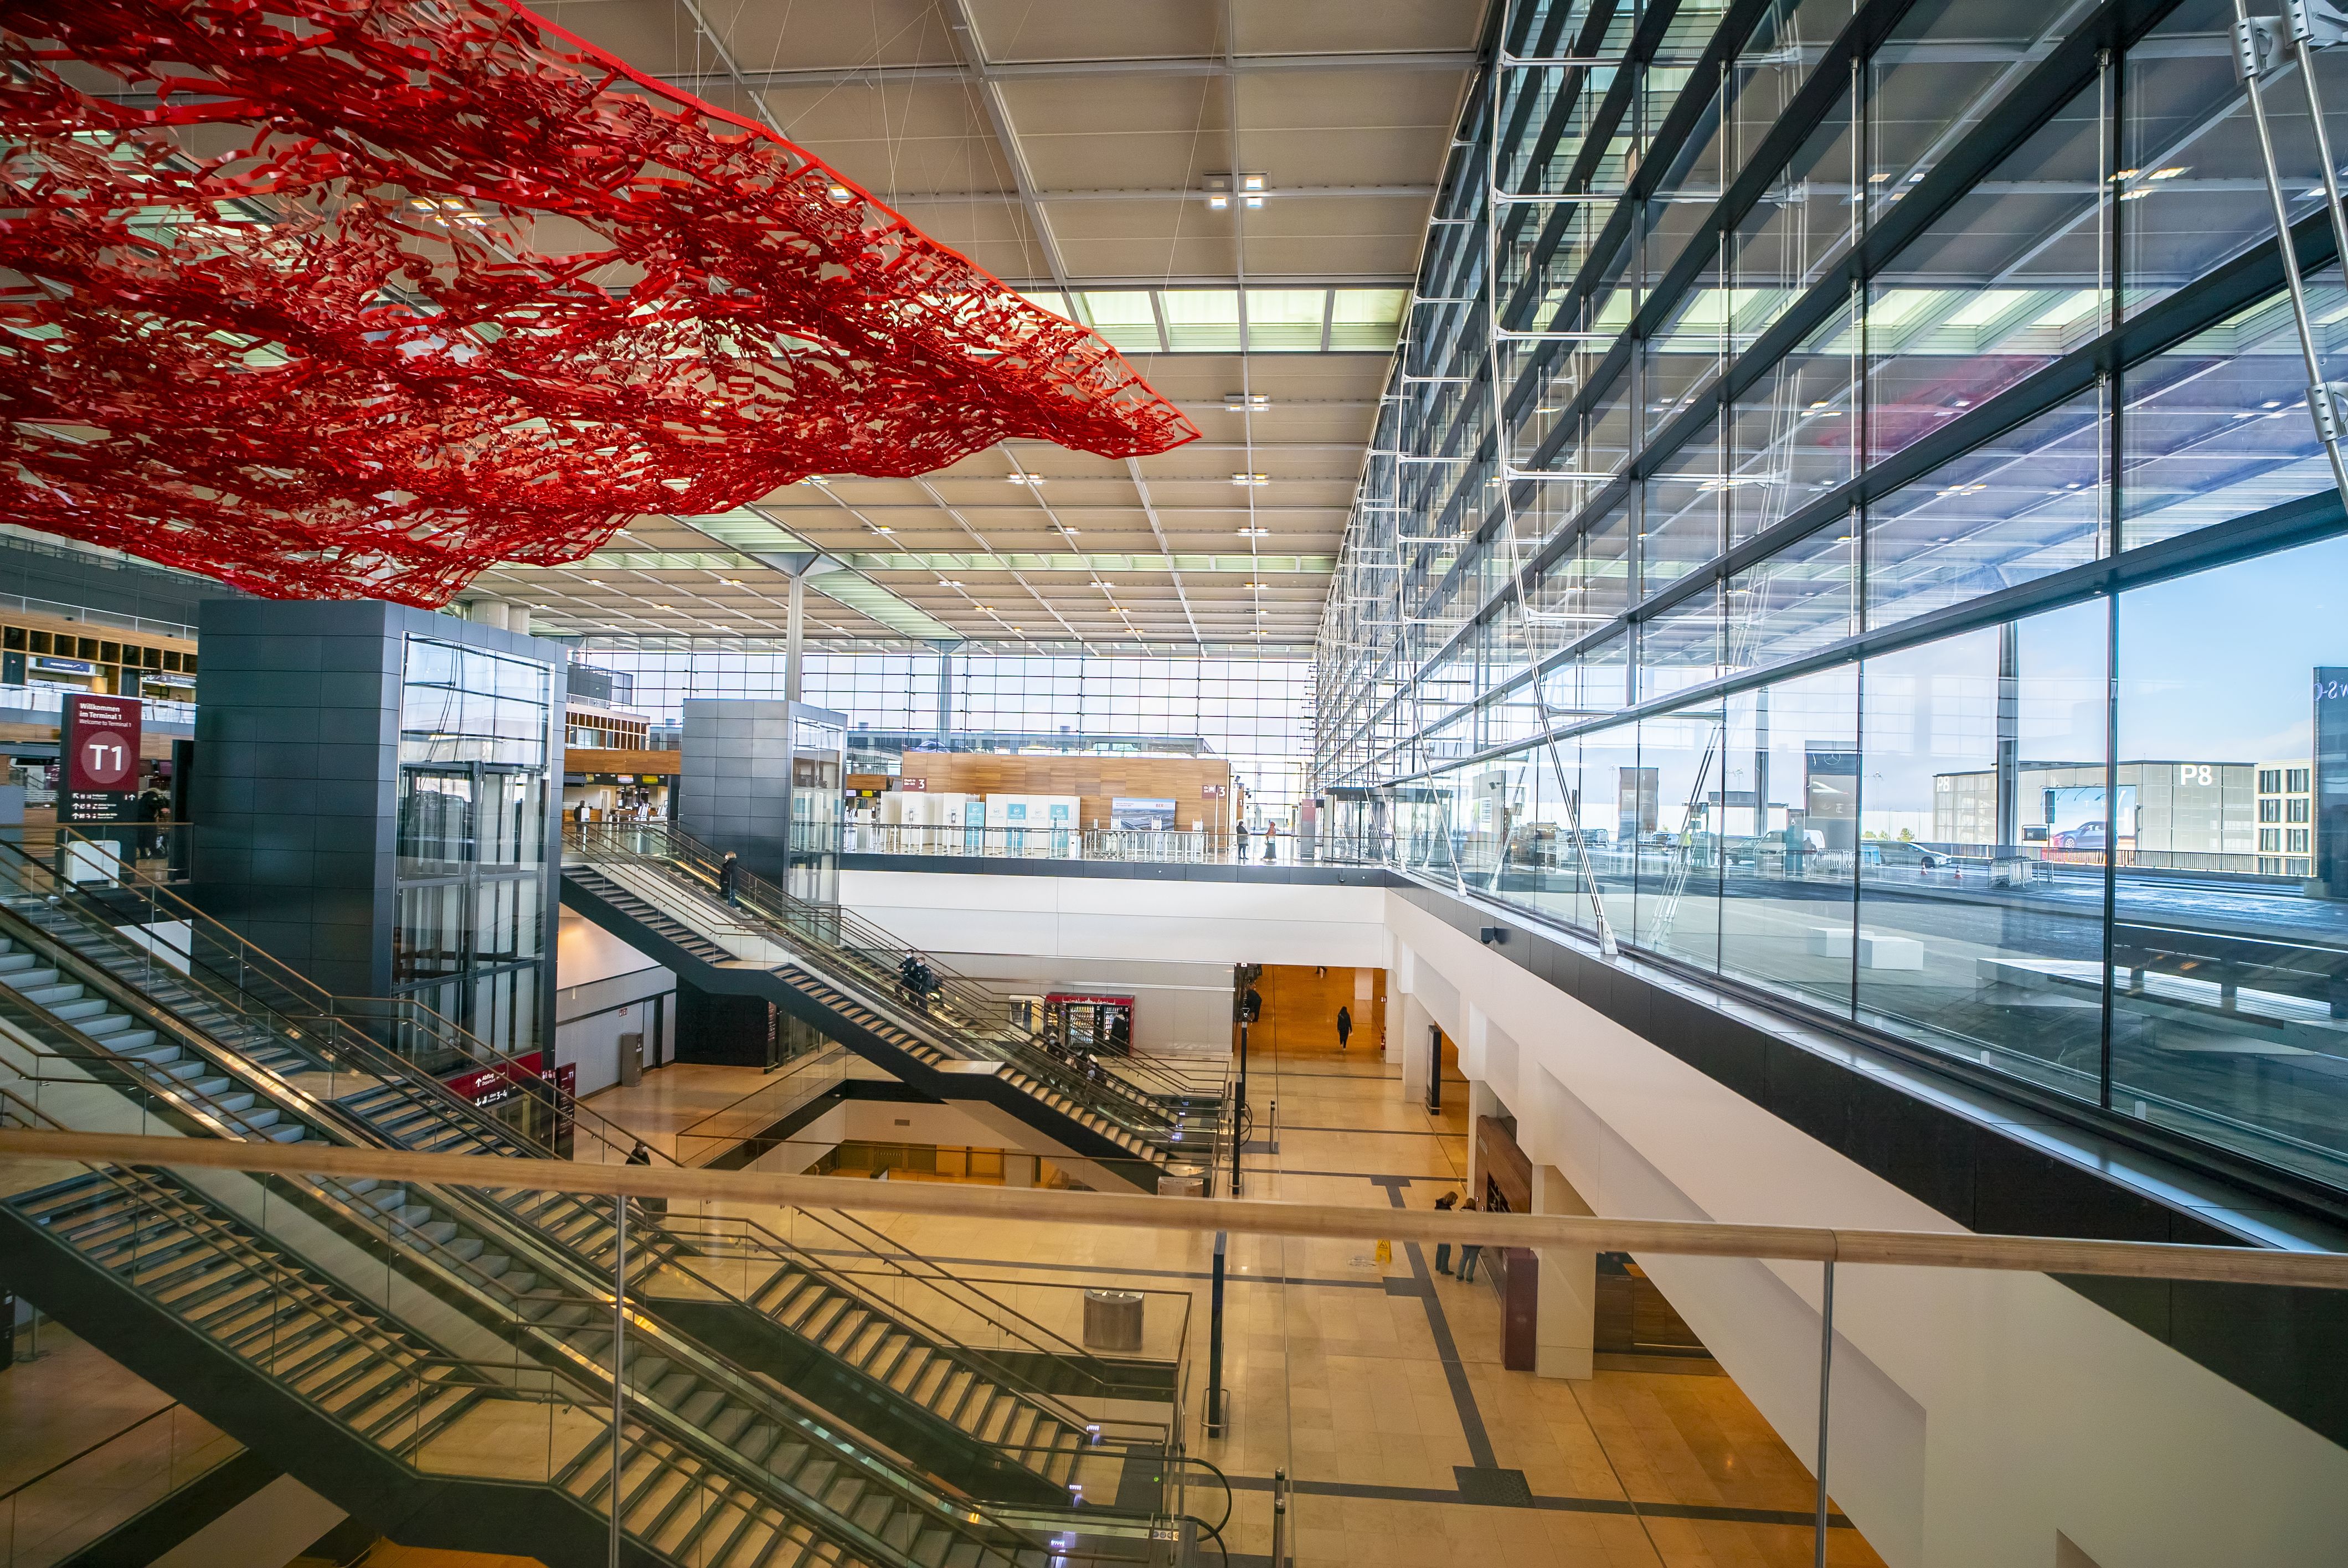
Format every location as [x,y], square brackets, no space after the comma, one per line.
[494,1085]
[101,758]
[919,786]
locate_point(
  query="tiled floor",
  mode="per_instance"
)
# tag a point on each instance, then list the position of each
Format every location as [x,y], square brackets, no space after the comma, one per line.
[62,1482]
[1372,1384]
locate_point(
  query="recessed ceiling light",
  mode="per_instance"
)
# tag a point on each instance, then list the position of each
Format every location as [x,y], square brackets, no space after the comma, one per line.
[840,192]
[1251,481]
[1026,478]
[1246,402]
[595,581]
[948,582]
[731,581]
[1254,533]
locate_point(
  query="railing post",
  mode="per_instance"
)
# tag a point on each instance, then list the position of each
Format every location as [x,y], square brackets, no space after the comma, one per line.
[1214,1422]
[1825,1384]
[619,1360]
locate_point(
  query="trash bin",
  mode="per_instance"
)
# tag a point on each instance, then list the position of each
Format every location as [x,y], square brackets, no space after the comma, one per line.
[1183,1181]
[1113,1320]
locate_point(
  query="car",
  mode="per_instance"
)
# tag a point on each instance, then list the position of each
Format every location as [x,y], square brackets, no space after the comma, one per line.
[2087,836]
[1901,852]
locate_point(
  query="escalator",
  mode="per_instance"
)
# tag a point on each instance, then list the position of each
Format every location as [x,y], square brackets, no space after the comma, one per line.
[476,1453]
[826,1347]
[658,890]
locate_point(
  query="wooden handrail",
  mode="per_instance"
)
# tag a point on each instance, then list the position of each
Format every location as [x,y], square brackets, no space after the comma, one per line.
[1921,1249]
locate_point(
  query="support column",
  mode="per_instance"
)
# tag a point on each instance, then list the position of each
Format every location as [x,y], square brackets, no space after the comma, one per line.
[795,639]
[1417,1048]
[2009,740]
[1567,1337]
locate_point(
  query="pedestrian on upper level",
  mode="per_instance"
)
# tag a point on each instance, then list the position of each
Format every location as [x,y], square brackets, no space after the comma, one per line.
[1345,1027]
[726,873]
[1469,1251]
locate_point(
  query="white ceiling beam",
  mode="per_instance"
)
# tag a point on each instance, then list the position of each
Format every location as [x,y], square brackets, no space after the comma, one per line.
[1050,70]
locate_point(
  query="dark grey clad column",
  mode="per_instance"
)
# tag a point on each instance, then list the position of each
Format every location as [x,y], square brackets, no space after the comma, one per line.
[741,758]
[297,791]
[733,789]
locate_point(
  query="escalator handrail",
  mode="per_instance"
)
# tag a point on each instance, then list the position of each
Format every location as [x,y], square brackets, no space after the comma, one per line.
[682,855]
[330,1011]
[546,1258]
[327,1117]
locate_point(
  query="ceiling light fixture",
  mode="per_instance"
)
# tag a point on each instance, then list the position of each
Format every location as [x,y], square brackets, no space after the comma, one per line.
[1026,478]
[1255,533]
[1246,402]
[1251,481]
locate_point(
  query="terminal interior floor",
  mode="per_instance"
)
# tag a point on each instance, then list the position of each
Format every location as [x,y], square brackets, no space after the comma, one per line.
[1379,1388]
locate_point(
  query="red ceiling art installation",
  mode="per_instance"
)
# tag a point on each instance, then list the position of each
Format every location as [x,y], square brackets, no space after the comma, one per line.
[342,297]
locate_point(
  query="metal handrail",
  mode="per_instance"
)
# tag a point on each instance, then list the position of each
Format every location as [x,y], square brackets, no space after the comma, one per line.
[103,1442]
[326,1116]
[329,1012]
[793,920]
[955,1515]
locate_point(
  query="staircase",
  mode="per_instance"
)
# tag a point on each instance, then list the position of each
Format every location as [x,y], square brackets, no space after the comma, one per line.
[440,1449]
[656,889]
[957,1411]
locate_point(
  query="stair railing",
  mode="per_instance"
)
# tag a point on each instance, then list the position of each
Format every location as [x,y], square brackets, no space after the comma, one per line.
[204,1109]
[761,909]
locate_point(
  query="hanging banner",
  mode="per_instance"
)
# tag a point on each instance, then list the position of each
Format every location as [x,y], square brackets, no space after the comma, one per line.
[100,754]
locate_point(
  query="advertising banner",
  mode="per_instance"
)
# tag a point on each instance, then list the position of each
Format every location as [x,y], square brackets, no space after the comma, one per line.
[2077,822]
[1143,816]
[99,780]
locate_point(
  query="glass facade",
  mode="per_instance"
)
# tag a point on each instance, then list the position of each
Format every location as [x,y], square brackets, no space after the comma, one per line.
[470,922]
[1846,518]
[1257,713]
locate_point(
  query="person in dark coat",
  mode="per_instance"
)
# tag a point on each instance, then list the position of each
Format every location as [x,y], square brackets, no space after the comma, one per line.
[726,876]
[1345,1027]
[1445,1204]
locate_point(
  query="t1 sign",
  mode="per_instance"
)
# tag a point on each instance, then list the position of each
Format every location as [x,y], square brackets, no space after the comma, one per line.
[101,759]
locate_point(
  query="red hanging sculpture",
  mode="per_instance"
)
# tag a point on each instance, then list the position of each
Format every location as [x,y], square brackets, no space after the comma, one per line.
[353,298]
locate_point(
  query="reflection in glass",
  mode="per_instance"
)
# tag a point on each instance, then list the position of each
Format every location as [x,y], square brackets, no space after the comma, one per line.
[2229,992]
[1787,830]
[1981,922]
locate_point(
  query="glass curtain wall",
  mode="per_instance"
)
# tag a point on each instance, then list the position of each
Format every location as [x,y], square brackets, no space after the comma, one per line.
[469,938]
[1257,713]
[1846,517]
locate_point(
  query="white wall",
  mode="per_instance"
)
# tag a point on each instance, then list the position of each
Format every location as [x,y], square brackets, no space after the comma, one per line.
[1975,1414]
[604,988]
[1112,918]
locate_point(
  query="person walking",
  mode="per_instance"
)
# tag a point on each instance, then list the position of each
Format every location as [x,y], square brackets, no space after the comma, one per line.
[1444,1204]
[640,1155]
[1345,1026]
[150,811]
[1271,831]
[727,873]
[1468,1251]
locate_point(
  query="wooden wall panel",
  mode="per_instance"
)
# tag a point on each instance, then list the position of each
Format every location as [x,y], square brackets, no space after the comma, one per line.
[584,760]
[1097,780]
